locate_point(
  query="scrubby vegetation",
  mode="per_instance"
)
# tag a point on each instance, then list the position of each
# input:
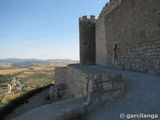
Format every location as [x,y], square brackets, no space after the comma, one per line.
[31,77]
[16,100]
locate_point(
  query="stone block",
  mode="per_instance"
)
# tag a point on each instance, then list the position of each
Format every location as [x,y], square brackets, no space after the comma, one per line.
[60,75]
[105,77]
[117,93]
[57,92]
[111,77]
[105,97]
[100,86]
[118,85]
[107,86]
[119,77]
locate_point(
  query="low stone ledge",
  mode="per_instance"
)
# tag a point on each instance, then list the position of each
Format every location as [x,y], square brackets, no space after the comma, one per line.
[60,75]
[94,84]
[91,82]
[57,92]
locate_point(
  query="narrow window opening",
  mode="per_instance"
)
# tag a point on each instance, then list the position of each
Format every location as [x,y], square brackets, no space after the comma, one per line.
[116,52]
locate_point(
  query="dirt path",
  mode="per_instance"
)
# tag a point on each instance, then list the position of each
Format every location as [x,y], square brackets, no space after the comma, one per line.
[34,102]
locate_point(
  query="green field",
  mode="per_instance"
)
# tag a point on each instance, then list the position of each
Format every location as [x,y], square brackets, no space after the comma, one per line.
[31,76]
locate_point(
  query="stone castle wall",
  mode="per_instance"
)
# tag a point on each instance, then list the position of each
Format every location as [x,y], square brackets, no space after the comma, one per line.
[101,50]
[76,81]
[128,35]
[91,82]
[87,40]
[60,75]
[125,36]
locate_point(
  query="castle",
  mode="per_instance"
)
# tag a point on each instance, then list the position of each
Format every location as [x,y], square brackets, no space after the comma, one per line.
[115,51]
[126,36]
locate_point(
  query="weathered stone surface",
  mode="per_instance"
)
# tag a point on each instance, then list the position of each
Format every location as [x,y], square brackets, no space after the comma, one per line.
[118,85]
[91,82]
[105,77]
[87,40]
[127,35]
[111,77]
[107,86]
[60,75]
[76,82]
[57,92]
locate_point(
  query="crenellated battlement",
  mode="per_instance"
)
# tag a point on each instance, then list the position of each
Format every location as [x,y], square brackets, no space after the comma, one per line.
[86,18]
[109,7]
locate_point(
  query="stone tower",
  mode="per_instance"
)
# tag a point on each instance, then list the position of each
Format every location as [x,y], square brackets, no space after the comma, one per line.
[87,40]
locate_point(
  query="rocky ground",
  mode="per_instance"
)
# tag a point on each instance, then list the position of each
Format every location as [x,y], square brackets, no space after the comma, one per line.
[34,102]
[55,111]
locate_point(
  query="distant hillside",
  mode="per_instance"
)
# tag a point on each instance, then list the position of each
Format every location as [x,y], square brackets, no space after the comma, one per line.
[16,60]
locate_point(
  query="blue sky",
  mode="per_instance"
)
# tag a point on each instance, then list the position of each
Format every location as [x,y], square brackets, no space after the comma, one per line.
[43,29]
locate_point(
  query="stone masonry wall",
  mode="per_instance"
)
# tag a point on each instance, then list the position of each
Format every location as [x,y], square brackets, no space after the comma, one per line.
[87,40]
[132,35]
[60,75]
[101,50]
[77,83]
[90,82]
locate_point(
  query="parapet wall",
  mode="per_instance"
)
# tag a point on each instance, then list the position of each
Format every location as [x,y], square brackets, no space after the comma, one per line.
[91,82]
[128,35]
[60,75]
